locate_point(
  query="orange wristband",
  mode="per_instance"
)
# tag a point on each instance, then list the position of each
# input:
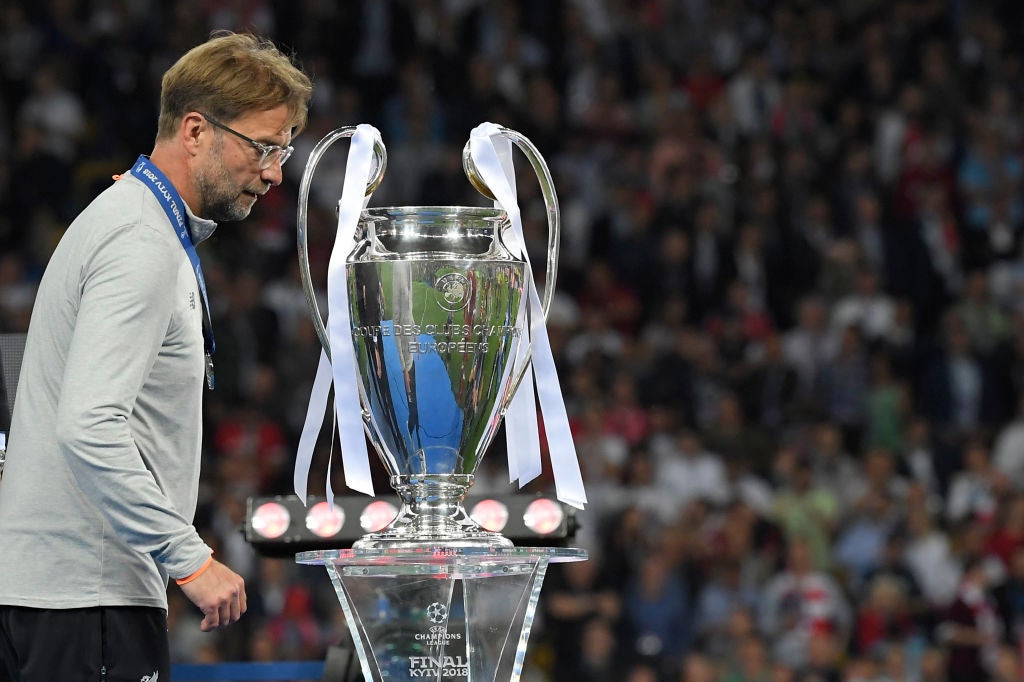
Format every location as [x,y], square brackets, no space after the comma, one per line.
[202,569]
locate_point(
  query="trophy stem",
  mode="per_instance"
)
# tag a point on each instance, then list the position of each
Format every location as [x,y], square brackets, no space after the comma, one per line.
[432,513]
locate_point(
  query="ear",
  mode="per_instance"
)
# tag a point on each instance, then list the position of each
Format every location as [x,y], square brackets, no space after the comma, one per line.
[192,125]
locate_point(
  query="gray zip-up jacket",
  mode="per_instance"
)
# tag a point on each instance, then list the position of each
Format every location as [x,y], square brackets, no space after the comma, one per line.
[100,488]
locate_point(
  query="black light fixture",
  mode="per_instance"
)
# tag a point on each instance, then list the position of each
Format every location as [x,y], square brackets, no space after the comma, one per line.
[281,525]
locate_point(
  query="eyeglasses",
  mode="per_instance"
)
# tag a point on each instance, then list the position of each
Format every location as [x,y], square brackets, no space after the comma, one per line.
[269,153]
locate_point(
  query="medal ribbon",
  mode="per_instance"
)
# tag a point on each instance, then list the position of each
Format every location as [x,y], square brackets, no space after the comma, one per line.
[174,207]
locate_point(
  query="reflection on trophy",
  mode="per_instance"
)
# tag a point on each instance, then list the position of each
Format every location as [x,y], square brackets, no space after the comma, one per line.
[437,317]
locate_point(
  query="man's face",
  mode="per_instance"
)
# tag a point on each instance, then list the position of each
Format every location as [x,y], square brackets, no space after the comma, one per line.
[229,179]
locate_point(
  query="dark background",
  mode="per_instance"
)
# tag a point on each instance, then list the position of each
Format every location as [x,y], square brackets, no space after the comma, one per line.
[791,241]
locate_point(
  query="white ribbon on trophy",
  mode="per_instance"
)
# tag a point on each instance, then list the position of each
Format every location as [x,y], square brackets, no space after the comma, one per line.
[341,367]
[491,152]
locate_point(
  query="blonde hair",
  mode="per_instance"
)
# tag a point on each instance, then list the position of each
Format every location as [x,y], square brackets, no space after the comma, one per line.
[230,75]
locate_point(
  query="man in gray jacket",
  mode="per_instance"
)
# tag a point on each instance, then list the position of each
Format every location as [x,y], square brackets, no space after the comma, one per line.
[102,473]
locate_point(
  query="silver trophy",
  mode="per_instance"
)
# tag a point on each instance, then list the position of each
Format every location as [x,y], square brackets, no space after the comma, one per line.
[434,297]
[438,331]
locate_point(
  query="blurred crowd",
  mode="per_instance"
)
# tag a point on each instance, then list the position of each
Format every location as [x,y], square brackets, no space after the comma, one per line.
[788,325]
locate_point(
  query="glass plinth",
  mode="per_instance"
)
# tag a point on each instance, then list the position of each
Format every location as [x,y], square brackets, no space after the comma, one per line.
[461,614]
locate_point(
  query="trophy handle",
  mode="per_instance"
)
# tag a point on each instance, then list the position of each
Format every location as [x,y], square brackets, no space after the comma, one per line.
[380,158]
[547,188]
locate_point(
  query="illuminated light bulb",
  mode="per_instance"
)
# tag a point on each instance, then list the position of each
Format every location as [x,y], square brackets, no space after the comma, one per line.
[377,515]
[543,516]
[491,515]
[324,521]
[271,520]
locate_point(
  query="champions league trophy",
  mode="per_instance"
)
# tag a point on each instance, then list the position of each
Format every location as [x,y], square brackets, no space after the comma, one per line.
[435,335]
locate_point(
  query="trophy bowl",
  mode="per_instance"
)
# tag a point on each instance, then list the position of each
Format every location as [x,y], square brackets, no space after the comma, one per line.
[434,298]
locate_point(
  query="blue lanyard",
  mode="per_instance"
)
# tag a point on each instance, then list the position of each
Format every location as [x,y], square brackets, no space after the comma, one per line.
[174,207]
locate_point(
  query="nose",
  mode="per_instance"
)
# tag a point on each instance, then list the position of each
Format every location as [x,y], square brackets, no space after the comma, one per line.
[273,174]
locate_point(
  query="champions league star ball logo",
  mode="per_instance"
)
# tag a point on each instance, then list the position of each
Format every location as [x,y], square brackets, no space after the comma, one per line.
[437,635]
[444,655]
[454,290]
[437,612]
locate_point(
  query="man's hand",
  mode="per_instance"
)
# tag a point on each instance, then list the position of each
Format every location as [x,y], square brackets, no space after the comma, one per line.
[219,593]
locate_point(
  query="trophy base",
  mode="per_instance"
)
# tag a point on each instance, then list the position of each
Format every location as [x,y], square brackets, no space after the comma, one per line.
[440,612]
[432,515]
